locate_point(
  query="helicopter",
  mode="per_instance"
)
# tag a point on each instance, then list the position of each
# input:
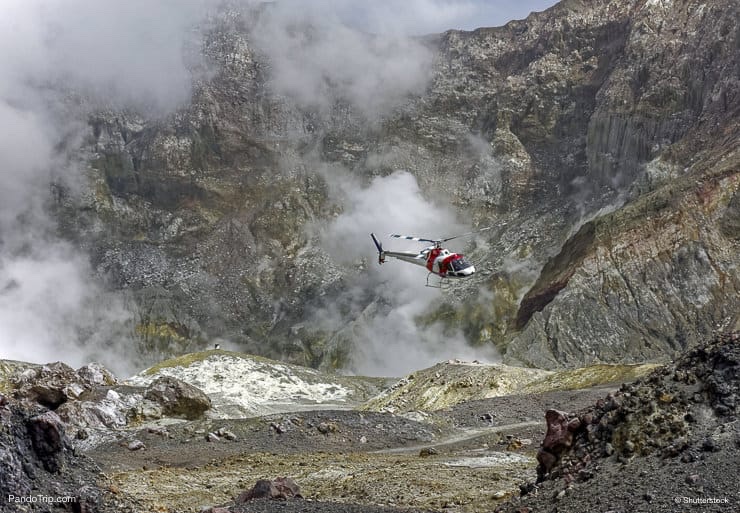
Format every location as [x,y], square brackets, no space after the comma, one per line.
[438,260]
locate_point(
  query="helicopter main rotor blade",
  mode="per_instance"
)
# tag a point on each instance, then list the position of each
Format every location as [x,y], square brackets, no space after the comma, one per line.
[438,241]
[466,234]
[411,237]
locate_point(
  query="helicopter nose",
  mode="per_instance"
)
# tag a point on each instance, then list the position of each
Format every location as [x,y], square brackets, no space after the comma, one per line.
[468,271]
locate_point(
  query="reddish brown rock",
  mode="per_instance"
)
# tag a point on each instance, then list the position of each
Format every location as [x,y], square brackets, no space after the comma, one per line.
[281,488]
[559,435]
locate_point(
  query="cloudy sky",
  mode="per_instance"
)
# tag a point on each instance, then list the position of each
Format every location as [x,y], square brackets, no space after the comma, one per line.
[429,16]
[492,13]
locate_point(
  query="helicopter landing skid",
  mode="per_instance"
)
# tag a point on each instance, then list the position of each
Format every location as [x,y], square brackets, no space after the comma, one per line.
[438,286]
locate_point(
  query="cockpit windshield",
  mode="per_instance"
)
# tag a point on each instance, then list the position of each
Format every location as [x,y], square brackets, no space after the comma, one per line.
[459,263]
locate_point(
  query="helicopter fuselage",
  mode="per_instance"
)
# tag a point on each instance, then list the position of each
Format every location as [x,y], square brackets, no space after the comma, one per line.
[439,261]
[435,258]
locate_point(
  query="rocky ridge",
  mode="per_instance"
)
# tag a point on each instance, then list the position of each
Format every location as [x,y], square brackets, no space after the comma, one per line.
[453,382]
[672,436]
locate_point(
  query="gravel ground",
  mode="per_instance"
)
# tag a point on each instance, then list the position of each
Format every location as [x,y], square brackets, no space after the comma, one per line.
[669,442]
[647,485]
[343,460]
[302,506]
[673,442]
[330,431]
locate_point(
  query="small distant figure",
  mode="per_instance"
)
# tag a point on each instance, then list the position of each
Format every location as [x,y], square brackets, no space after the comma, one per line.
[217,346]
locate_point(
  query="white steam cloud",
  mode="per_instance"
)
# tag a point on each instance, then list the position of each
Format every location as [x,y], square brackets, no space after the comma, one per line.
[119,54]
[135,53]
[316,57]
[390,341]
[370,54]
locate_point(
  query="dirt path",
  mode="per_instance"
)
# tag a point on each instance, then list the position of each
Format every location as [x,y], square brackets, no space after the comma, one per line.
[462,436]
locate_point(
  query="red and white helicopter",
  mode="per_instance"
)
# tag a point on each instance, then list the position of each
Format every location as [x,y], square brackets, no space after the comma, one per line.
[435,258]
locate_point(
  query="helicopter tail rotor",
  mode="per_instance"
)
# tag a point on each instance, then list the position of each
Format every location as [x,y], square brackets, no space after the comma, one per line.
[381,253]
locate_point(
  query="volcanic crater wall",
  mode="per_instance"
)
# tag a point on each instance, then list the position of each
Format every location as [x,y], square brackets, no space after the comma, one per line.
[600,137]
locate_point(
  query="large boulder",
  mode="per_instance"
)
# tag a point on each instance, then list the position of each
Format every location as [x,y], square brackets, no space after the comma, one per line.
[95,374]
[48,439]
[50,385]
[280,488]
[106,408]
[178,399]
[36,458]
[558,439]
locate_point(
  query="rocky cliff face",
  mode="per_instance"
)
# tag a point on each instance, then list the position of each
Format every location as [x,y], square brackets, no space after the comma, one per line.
[661,269]
[600,138]
[665,435]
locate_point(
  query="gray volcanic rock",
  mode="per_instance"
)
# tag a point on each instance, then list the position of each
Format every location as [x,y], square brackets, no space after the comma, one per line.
[91,401]
[53,384]
[38,465]
[49,386]
[106,408]
[279,488]
[178,398]
[48,439]
[603,134]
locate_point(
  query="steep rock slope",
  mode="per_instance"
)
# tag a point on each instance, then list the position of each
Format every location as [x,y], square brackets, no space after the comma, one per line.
[664,443]
[661,272]
[536,127]
[649,279]
[655,120]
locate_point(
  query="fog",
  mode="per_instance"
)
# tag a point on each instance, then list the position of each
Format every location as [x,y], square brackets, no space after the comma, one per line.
[419,17]
[317,58]
[369,54]
[55,56]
